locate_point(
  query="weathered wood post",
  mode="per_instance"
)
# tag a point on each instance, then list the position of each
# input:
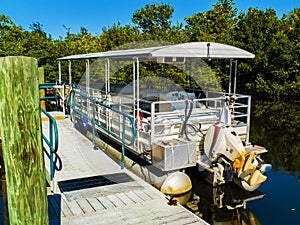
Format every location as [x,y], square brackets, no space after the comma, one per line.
[20,126]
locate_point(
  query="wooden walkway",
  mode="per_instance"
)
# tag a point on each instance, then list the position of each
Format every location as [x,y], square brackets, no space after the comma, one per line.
[92,189]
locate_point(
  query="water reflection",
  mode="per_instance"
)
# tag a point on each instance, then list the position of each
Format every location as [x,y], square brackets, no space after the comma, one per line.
[225,204]
[276,126]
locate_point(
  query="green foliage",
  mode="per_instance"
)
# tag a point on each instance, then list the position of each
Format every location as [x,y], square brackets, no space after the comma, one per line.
[263,34]
[117,36]
[216,25]
[153,18]
[276,125]
[274,73]
[5,24]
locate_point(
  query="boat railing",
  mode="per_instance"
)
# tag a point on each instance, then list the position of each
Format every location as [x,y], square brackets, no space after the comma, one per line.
[163,120]
[101,114]
[51,141]
[168,117]
[240,108]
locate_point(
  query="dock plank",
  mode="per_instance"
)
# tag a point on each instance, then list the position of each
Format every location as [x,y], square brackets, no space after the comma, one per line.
[85,206]
[96,204]
[142,195]
[65,208]
[107,194]
[153,193]
[134,197]
[124,198]
[99,218]
[171,218]
[116,201]
[75,208]
[106,203]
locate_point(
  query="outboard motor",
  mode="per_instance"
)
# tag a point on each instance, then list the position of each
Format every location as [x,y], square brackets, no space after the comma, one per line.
[230,159]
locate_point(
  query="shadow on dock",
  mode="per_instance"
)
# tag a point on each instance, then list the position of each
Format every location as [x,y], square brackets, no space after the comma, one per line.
[54,209]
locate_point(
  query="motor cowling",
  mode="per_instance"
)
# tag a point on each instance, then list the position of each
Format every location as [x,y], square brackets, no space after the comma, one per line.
[222,140]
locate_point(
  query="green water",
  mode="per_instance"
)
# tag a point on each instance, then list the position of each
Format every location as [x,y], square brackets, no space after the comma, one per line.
[276,125]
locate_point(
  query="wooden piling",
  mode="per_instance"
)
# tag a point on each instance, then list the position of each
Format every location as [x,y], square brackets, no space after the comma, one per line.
[20,126]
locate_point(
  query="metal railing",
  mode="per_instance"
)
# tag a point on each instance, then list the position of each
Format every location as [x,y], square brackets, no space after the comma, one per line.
[168,120]
[88,107]
[51,141]
[167,123]
[240,109]
[53,96]
[240,106]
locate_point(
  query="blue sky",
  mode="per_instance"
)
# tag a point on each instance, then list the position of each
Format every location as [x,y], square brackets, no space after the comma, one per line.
[96,14]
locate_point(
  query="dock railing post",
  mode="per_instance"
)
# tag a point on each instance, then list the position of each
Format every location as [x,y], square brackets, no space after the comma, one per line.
[20,125]
[123,144]
[42,91]
[93,121]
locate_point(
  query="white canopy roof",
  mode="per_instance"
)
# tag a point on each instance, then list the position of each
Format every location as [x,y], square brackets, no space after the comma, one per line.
[186,50]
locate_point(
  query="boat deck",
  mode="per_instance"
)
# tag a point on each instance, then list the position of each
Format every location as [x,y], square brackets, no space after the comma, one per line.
[92,188]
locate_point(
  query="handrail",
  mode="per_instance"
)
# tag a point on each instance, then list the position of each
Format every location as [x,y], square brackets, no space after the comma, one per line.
[47,85]
[56,95]
[91,118]
[52,143]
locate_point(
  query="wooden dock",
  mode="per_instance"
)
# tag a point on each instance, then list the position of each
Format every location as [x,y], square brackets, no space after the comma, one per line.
[92,188]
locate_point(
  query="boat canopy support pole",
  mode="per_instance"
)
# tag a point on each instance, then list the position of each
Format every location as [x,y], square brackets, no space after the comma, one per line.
[107,77]
[136,95]
[191,76]
[235,74]
[70,72]
[87,76]
[59,72]
[62,95]
[230,74]
[137,83]
[134,88]
[233,63]
[107,91]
